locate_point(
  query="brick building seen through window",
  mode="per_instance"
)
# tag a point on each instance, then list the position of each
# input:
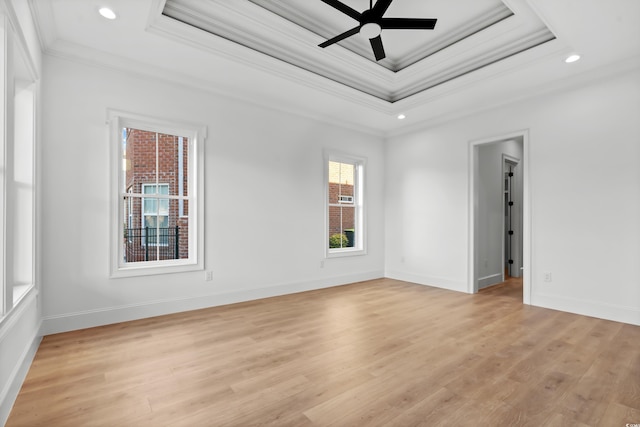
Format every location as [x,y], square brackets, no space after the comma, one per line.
[342,205]
[156,227]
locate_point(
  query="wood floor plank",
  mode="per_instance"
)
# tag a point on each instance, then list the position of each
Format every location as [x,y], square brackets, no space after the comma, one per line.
[376,353]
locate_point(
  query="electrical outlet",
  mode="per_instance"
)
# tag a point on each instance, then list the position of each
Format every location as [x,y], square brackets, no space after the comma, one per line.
[208,276]
[548,277]
[322,264]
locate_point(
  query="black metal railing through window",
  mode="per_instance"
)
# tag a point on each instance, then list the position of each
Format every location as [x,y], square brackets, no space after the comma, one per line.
[151,244]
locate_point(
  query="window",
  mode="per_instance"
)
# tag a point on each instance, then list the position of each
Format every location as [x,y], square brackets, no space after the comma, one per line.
[158,196]
[155,213]
[17,171]
[344,177]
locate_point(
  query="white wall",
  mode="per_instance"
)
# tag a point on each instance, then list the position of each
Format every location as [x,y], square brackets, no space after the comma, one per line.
[585,197]
[426,208]
[264,210]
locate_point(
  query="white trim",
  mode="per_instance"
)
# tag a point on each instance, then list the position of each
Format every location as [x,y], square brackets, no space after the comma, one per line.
[12,324]
[4,74]
[433,281]
[472,285]
[115,314]
[21,42]
[9,393]
[18,82]
[10,319]
[197,134]
[492,279]
[617,313]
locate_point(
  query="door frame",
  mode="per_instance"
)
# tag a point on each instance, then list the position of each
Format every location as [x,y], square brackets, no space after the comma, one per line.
[472,268]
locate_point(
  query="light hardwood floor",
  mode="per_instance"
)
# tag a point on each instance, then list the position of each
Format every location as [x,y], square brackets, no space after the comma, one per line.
[382,352]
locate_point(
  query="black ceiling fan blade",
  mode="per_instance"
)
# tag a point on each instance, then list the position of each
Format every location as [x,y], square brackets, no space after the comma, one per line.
[408,23]
[340,37]
[378,49]
[347,10]
[380,7]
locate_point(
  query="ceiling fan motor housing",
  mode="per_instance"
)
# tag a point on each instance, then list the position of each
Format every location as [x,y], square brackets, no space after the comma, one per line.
[370,30]
[371,24]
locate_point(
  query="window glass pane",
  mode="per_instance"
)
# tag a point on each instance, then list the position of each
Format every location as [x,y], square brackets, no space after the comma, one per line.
[156,229]
[334,181]
[341,227]
[182,221]
[139,158]
[164,207]
[155,189]
[150,205]
[173,160]
[336,240]
[342,205]
[158,235]
[154,205]
[23,184]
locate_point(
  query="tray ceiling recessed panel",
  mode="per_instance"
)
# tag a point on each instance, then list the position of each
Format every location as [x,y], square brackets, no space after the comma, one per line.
[403,47]
[469,35]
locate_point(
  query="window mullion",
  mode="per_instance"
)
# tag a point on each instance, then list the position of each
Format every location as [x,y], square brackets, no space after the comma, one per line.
[157,193]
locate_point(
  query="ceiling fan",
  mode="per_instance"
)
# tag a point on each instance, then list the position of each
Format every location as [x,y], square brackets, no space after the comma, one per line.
[371,24]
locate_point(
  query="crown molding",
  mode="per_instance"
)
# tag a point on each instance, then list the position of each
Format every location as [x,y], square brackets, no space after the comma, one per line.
[170,28]
[575,81]
[20,41]
[255,29]
[466,30]
[113,63]
[42,13]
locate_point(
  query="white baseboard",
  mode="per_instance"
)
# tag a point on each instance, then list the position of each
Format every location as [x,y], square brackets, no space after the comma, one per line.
[597,309]
[109,315]
[492,279]
[18,351]
[437,282]
[12,388]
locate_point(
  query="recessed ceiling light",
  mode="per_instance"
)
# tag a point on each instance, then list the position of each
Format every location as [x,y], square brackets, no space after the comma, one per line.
[401,117]
[572,58]
[107,13]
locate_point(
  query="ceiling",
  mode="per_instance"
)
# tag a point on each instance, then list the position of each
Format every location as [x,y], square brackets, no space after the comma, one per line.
[469,35]
[481,54]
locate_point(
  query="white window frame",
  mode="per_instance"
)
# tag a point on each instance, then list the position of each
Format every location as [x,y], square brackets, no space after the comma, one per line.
[359,200]
[118,120]
[18,171]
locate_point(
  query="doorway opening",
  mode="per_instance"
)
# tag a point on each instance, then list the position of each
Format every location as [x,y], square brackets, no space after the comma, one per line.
[499,222]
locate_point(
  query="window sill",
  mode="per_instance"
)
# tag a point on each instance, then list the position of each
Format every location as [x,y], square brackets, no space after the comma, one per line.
[19,291]
[338,253]
[7,321]
[155,268]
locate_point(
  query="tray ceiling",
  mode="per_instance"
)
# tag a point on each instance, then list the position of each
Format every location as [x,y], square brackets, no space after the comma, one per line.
[469,35]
